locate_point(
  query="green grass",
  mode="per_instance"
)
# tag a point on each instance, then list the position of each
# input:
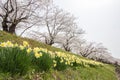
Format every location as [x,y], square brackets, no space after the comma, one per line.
[83,74]
[107,72]
[69,74]
[15,39]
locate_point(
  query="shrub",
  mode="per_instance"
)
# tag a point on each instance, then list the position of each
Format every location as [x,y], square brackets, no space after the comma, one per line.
[43,63]
[61,64]
[14,60]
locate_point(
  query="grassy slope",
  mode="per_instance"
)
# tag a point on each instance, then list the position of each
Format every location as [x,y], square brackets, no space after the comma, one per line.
[101,73]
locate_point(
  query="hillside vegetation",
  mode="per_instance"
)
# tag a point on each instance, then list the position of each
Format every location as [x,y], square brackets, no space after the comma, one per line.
[77,68]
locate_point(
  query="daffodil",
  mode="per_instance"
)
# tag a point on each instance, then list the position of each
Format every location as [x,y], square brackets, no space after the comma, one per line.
[3,44]
[38,55]
[9,44]
[29,50]
[25,44]
[71,64]
[21,47]
[66,63]
[16,45]
[36,49]
[61,61]
[55,65]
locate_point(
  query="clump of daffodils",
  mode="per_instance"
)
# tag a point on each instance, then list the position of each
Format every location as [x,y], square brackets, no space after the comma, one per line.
[6,44]
[68,59]
[25,45]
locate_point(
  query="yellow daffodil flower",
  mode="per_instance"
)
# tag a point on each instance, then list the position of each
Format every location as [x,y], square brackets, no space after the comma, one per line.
[36,49]
[38,55]
[3,44]
[25,44]
[29,50]
[9,44]
[55,65]
[21,47]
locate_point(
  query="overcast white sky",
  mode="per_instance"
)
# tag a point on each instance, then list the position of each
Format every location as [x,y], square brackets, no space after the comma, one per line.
[99,18]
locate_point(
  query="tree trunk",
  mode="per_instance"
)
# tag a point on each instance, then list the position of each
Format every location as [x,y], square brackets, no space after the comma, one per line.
[12,28]
[5,26]
[51,42]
